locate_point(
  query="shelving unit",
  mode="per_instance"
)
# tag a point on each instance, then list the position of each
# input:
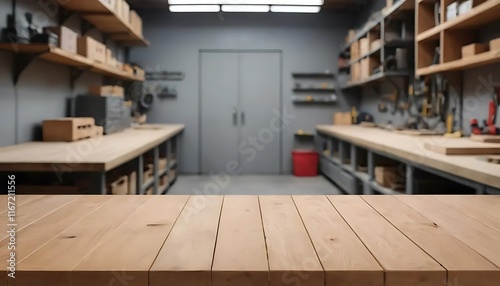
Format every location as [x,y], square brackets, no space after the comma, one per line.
[328,90]
[59,56]
[362,67]
[314,75]
[106,20]
[323,95]
[449,36]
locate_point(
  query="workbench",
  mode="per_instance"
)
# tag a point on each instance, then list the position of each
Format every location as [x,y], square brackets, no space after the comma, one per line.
[254,240]
[97,155]
[344,144]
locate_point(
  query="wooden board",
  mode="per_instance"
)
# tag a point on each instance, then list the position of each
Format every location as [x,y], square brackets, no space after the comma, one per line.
[421,132]
[411,149]
[345,259]
[132,249]
[292,257]
[464,266]
[486,138]
[257,241]
[461,146]
[47,267]
[240,256]
[95,154]
[393,250]
[186,257]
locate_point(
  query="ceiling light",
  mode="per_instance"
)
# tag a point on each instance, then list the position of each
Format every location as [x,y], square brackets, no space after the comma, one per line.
[246,8]
[248,2]
[194,8]
[296,9]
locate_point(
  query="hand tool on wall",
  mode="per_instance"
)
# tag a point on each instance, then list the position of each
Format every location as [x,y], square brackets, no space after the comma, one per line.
[489,124]
[450,123]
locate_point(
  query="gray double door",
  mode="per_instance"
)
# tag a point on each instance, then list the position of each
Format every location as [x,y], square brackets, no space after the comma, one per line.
[240,107]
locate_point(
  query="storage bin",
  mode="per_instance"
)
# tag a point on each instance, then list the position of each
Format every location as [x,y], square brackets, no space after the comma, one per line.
[305,163]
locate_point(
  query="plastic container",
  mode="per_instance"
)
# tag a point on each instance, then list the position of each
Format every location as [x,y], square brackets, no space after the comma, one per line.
[305,163]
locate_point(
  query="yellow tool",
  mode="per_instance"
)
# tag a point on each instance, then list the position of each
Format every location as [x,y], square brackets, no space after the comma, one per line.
[449,127]
[354,114]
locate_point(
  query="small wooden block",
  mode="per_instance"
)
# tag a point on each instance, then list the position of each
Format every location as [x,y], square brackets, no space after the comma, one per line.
[69,129]
[485,138]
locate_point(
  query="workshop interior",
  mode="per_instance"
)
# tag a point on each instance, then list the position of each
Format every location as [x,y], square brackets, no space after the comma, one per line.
[369,127]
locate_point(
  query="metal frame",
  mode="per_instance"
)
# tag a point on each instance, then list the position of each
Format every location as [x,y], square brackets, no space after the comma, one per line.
[369,186]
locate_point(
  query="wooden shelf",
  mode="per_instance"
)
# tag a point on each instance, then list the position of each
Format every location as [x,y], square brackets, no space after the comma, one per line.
[462,64]
[106,20]
[430,35]
[371,53]
[328,90]
[314,75]
[56,55]
[375,78]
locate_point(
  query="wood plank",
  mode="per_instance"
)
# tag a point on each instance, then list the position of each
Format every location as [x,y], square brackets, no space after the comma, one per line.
[347,262]
[404,263]
[187,255]
[241,255]
[132,249]
[461,146]
[34,210]
[292,258]
[18,200]
[481,238]
[95,154]
[51,265]
[485,138]
[481,208]
[465,266]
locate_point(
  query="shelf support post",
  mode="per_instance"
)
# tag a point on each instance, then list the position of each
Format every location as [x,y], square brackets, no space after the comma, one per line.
[410,174]
[140,174]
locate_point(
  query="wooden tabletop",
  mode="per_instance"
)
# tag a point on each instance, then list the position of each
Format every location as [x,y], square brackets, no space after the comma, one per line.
[412,148]
[251,240]
[96,154]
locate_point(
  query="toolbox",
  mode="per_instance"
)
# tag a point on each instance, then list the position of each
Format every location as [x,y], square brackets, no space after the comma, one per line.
[70,129]
[110,112]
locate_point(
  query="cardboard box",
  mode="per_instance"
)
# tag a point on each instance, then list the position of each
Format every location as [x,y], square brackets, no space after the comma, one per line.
[364,46]
[376,44]
[92,49]
[119,187]
[465,6]
[125,12]
[473,49]
[342,118]
[67,38]
[110,58]
[364,68]
[356,71]
[495,44]
[387,176]
[107,90]
[135,22]
[355,51]
[128,68]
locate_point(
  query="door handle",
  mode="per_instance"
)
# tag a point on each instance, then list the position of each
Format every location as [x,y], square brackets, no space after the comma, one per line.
[235,116]
[242,117]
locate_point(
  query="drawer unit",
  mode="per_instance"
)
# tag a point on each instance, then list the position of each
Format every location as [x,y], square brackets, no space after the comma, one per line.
[335,173]
[327,168]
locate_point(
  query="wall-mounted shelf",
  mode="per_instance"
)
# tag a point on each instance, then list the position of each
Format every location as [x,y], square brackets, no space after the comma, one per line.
[305,101]
[450,36]
[314,75]
[106,20]
[375,78]
[59,56]
[316,90]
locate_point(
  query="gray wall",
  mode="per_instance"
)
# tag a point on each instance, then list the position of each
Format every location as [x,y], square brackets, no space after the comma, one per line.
[43,88]
[310,43]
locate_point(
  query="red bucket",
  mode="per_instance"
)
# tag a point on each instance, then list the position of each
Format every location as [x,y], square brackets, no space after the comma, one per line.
[305,163]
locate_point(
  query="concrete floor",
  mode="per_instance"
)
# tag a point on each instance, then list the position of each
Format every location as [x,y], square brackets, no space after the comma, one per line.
[253,185]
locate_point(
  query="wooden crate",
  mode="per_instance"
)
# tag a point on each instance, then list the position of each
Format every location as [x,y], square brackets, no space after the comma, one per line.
[119,187]
[70,129]
[387,176]
[473,49]
[342,118]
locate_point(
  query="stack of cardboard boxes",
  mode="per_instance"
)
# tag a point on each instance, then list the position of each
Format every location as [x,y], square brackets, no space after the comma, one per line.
[363,69]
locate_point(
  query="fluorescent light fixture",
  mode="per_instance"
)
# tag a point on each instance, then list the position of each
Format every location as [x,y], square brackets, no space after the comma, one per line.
[248,2]
[296,9]
[194,8]
[246,8]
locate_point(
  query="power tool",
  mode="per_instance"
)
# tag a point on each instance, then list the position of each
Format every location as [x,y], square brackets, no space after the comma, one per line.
[489,125]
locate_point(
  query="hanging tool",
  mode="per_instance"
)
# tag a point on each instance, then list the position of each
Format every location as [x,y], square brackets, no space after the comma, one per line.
[489,125]
[450,122]
[354,115]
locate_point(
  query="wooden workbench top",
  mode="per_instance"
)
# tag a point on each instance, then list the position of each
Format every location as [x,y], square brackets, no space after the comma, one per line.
[96,154]
[411,148]
[250,240]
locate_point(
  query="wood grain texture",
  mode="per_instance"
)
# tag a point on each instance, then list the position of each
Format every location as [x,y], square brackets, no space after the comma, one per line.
[347,262]
[187,255]
[292,258]
[465,267]
[241,255]
[18,200]
[131,250]
[461,146]
[51,265]
[95,154]
[412,149]
[404,263]
[478,236]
